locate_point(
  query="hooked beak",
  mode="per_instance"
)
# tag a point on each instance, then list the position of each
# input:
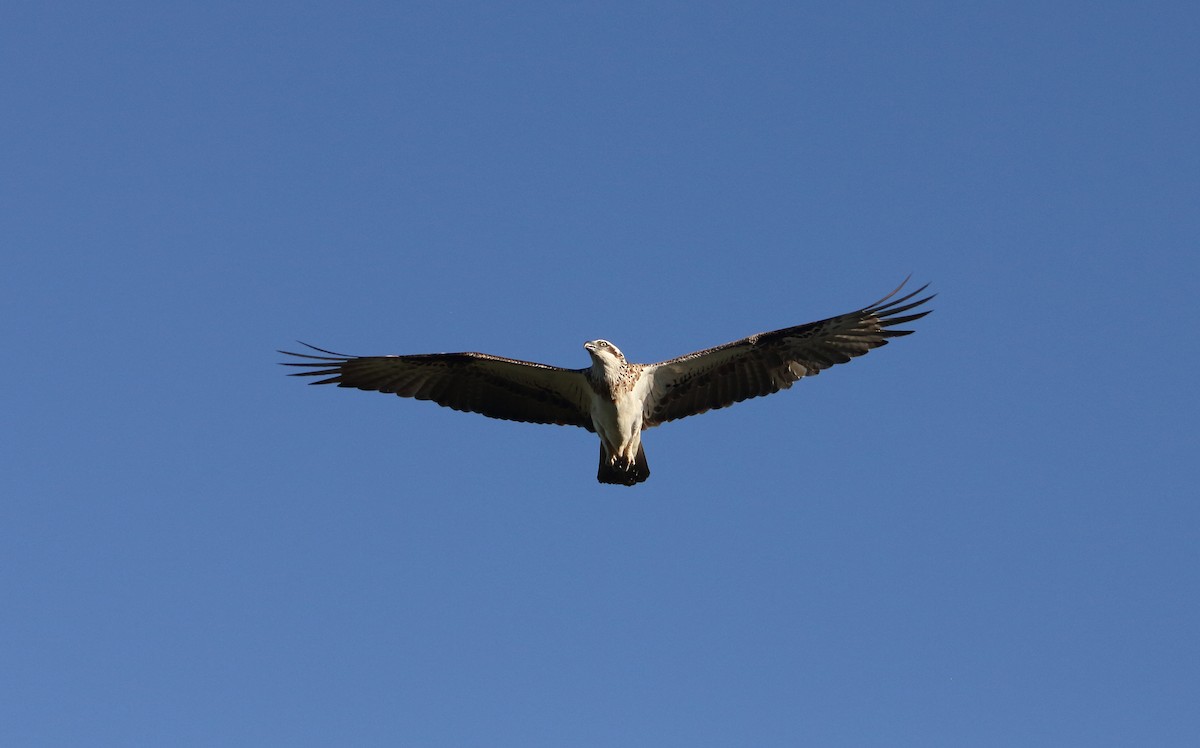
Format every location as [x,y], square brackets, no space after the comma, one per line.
[590,346]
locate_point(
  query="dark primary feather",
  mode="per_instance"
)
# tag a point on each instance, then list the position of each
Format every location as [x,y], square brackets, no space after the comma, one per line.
[474,382]
[771,361]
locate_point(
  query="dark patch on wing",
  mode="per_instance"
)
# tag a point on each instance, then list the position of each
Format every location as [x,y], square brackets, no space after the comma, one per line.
[471,382]
[771,361]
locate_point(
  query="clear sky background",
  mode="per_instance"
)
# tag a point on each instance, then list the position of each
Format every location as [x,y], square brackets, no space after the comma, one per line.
[984,534]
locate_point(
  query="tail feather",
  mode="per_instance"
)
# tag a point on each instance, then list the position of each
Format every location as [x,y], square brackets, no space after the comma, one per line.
[615,474]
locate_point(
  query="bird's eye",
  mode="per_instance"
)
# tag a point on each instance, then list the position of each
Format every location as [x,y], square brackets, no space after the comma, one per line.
[603,344]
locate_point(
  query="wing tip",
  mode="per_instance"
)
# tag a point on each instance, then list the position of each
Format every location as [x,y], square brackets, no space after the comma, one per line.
[328,366]
[888,306]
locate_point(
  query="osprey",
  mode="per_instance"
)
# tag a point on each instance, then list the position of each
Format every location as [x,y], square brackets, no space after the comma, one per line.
[613,398]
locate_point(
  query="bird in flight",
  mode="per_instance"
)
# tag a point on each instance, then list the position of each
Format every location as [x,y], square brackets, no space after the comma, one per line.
[613,398]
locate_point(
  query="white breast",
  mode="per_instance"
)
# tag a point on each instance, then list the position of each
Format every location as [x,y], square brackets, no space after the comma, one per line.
[619,424]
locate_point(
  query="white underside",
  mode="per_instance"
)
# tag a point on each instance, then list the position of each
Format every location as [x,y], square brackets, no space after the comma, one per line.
[619,426]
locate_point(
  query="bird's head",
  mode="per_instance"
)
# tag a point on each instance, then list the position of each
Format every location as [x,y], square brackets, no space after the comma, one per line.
[603,352]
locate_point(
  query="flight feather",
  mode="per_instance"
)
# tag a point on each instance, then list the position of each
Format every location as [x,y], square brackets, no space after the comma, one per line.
[493,386]
[771,361]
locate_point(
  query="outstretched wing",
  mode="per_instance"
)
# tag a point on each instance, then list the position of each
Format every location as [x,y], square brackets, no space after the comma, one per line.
[473,382]
[771,361]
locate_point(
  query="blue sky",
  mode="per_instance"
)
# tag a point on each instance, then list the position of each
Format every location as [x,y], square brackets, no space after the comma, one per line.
[981,535]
